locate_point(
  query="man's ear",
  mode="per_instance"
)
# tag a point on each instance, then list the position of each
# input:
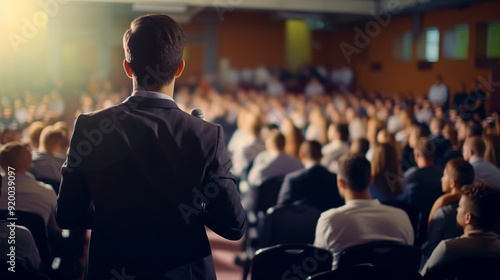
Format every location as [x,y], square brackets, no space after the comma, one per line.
[454,184]
[180,68]
[341,183]
[128,69]
[468,218]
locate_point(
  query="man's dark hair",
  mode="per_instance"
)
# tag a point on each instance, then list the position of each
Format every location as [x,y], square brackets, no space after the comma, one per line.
[311,150]
[343,131]
[484,204]
[460,170]
[153,47]
[355,170]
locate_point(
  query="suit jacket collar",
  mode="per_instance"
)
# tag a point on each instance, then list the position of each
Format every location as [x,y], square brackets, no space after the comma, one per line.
[147,102]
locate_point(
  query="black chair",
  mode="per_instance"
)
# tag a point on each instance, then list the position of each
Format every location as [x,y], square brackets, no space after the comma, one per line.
[289,224]
[470,268]
[36,226]
[367,272]
[290,261]
[382,254]
[53,183]
[266,195]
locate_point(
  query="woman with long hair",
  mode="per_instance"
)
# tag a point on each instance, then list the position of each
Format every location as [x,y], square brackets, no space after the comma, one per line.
[386,173]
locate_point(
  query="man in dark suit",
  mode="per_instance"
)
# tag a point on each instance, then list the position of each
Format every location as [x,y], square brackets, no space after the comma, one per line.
[145,176]
[315,185]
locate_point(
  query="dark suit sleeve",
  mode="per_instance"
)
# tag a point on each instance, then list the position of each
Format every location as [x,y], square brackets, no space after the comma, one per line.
[74,207]
[224,213]
[285,195]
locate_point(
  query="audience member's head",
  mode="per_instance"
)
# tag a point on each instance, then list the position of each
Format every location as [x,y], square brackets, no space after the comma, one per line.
[450,134]
[424,152]
[360,146]
[354,173]
[416,131]
[154,43]
[473,129]
[8,135]
[492,151]
[457,173]
[479,207]
[310,152]
[15,155]
[52,140]
[293,137]
[338,132]
[436,126]
[35,130]
[473,148]
[386,170]
[275,141]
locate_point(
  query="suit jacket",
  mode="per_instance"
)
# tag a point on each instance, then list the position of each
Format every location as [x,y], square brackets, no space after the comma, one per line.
[315,186]
[147,178]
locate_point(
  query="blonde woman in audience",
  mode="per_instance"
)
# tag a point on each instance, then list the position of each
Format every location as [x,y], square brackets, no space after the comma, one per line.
[386,173]
[492,151]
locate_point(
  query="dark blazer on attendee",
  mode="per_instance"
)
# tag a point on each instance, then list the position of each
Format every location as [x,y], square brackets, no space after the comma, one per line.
[147,178]
[314,186]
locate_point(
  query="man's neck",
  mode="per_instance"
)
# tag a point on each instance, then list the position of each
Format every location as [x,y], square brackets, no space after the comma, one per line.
[474,158]
[308,162]
[166,89]
[425,163]
[351,195]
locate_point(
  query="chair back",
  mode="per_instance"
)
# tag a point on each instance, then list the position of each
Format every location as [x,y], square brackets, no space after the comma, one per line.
[470,268]
[290,261]
[36,226]
[367,272]
[382,254]
[289,224]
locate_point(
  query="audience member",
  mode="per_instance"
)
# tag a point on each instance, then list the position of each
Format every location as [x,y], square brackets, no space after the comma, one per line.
[338,135]
[442,218]
[36,197]
[314,186]
[293,137]
[477,213]
[272,162]
[386,173]
[492,149]
[360,146]
[442,145]
[362,219]
[423,183]
[50,156]
[438,93]
[26,252]
[455,151]
[478,96]
[35,130]
[473,152]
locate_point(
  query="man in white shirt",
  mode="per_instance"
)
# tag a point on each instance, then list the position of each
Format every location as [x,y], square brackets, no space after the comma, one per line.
[362,219]
[273,161]
[473,152]
[338,134]
[438,93]
[31,195]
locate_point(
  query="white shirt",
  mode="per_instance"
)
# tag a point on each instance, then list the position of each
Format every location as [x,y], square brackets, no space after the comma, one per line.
[356,129]
[268,165]
[486,171]
[361,221]
[31,196]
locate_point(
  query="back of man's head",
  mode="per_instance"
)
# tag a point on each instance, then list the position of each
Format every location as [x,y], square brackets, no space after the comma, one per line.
[460,170]
[153,47]
[474,129]
[425,148]
[355,171]
[52,139]
[275,141]
[310,150]
[342,131]
[483,203]
[15,155]
[476,145]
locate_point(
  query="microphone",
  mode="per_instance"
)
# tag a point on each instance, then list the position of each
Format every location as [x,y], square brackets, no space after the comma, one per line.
[196,112]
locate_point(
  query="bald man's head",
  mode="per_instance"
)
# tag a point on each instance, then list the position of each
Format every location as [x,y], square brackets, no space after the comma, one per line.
[473,147]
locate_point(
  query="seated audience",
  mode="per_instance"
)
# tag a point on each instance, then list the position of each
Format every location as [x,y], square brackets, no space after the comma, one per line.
[314,186]
[442,218]
[273,161]
[423,183]
[50,156]
[362,219]
[478,212]
[386,174]
[26,251]
[32,196]
[473,152]
[338,135]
